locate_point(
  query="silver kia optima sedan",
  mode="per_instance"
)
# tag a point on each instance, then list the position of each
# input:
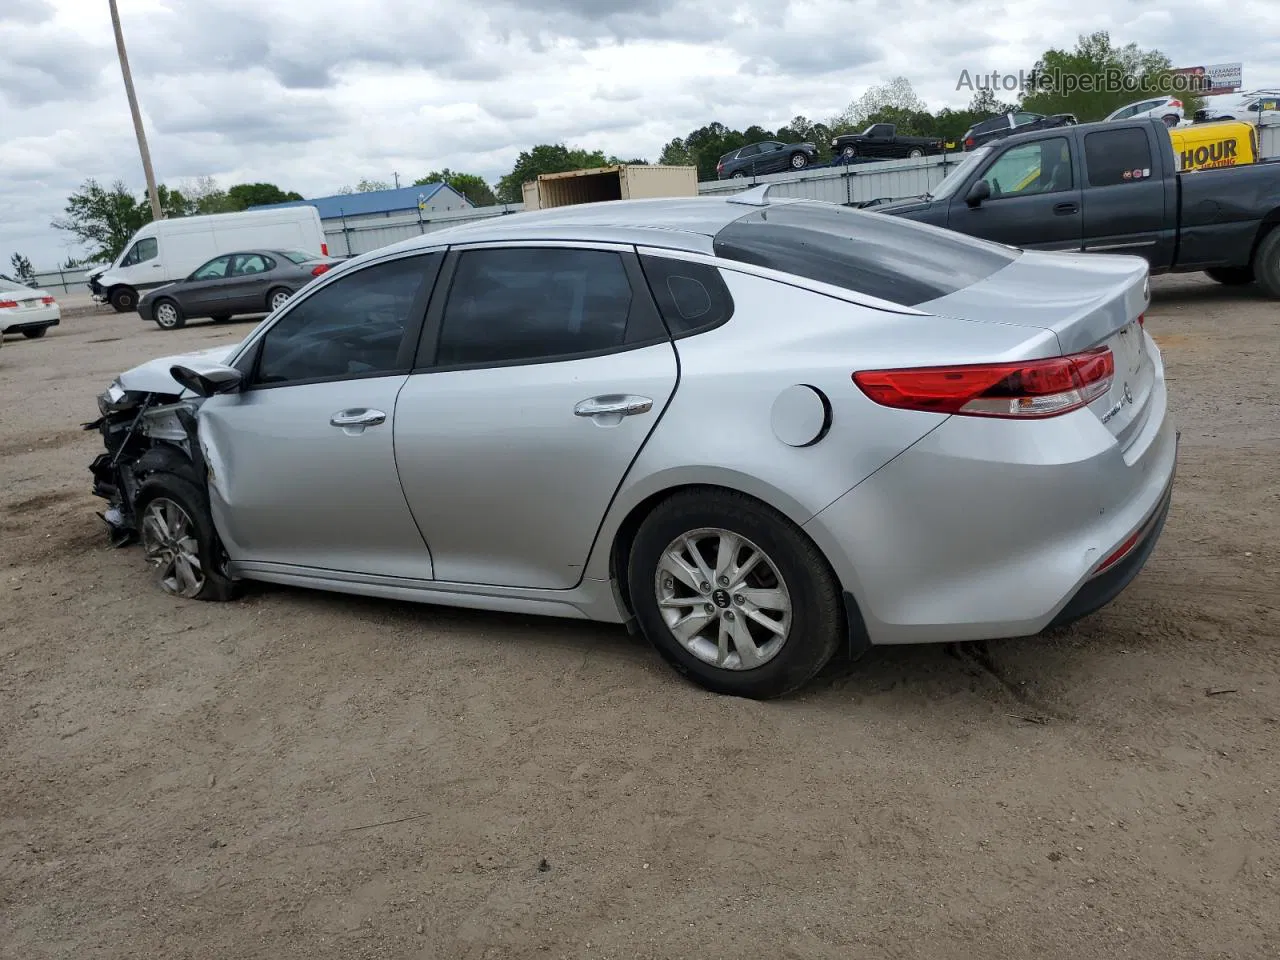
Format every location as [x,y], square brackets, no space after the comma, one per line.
[758,430]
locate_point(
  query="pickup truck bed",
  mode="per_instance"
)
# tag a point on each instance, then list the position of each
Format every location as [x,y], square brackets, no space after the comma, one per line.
[1113,188]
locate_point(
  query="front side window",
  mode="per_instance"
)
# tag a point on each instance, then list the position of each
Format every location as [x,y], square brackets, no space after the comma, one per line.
[526,304]
[215,269]
[1031,168]
[1117,156]
[900,261]
[353,327]
[145,249]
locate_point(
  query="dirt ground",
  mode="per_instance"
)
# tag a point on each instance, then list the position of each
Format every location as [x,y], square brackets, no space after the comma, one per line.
[310,775]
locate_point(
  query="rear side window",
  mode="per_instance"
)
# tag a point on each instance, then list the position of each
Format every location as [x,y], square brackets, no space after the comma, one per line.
[692,297]
[1117,156]
[869,253]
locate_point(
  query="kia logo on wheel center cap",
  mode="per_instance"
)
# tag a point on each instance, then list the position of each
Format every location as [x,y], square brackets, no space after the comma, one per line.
[721,599]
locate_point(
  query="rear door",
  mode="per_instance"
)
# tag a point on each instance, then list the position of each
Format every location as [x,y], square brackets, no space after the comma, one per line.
[541,375]
[1125,202]
[1035,198]
[253,275]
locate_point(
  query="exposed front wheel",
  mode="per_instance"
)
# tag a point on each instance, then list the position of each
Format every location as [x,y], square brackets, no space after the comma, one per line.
[1231,276]
[168,315]
[179,541]
[733,594]
[1266,263]
[123,299]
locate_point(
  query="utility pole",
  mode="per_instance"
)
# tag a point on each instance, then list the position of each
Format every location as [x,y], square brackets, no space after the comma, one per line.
[397,176]
[156,212]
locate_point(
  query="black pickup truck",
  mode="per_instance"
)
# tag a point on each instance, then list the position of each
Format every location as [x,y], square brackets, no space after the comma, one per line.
[1113,188]
[883,141]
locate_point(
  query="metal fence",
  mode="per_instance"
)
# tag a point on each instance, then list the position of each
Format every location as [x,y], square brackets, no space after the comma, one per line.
[63,281]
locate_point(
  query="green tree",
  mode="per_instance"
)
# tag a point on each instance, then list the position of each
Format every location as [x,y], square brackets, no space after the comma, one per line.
[22,269]
[103,219]
[245,195]
[1096,78]
[897,94]
[546,158]
[469,185]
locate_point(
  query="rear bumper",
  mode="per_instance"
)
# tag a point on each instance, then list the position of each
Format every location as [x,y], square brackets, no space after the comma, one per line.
[31,320]
[986,529]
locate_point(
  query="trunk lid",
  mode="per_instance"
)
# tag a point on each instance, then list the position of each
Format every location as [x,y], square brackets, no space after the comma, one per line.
[1086,300]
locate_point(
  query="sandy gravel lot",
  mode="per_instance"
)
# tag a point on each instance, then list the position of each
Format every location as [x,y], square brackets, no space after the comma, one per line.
[305,775]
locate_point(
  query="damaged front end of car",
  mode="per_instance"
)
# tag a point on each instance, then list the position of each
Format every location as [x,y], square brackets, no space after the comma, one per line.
[144,432]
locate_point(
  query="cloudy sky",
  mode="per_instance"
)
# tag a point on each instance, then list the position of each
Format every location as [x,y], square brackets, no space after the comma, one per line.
[316,94]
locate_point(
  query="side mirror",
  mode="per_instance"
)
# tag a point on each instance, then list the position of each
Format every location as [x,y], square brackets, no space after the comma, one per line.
[979,192]
[208,380]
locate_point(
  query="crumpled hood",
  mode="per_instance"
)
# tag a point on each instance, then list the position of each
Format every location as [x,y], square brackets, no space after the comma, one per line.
[153,376]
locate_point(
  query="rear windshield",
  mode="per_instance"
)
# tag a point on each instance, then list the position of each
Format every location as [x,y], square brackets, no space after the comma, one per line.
[873,254]
[10,285]
[297,256]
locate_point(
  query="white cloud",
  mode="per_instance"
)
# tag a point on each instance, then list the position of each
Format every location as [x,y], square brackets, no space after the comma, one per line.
[315,95]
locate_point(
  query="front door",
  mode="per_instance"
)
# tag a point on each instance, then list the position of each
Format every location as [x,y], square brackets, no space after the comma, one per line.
[1035,199]
[302,467]
[208,291]
[548,370]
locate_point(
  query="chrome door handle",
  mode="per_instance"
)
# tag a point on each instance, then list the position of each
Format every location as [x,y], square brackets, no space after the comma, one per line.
[612,404]
[358,418]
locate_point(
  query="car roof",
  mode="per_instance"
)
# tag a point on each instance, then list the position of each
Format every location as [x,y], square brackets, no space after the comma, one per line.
[678,223]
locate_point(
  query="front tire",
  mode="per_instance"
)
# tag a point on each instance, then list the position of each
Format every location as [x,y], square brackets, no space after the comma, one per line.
[1231,276]
[915,153]
[733,594]
[35,333]
[849,152]
[799,161]
[1266,263]
[123,299]
[168,315]
[179,541]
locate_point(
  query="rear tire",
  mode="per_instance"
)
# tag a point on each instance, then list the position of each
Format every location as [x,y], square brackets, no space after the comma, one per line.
[915,153]
[179,540]
[277,297]
[168,315]
[739,175]
[220,317]
[35,334]
[790,586]
[1170,120]
[1266,263]
[124,299]
[1231,276]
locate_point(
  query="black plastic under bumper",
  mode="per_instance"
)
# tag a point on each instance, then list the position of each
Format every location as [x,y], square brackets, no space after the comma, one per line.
[1102,589]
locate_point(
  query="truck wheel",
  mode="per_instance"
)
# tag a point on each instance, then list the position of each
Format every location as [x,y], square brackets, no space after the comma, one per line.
[1266,263]
[123,299]
[915,153]
[849,152]
[1231,276]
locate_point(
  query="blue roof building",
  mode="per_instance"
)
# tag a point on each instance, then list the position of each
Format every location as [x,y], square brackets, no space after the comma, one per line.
[433,197]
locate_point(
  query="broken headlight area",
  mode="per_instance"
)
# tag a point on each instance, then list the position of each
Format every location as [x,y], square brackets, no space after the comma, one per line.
[142,433]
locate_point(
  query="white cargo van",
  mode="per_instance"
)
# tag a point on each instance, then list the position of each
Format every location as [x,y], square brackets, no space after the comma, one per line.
[167,250]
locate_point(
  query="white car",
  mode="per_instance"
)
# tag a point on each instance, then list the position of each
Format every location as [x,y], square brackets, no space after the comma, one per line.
[26,310]
[1248,105]
[1168,109]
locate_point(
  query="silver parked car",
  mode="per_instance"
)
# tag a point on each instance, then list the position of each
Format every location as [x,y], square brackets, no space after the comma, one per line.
[759,430]
[244,281]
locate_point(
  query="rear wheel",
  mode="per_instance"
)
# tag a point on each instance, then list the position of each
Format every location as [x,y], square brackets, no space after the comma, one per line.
[124,299]
[1266,263]
[733,594]
[915,153]
[1231,276]
[1170,120]
[179,541]
[168,315]
[276,298]
[35,333]
[220,317]
[739,175]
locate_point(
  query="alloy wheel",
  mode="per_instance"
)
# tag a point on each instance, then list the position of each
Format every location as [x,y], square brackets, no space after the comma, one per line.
[723,599]
[277,299]
[166,315]
[170,545]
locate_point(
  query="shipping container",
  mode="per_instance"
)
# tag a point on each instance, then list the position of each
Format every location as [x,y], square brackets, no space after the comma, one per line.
[619,182]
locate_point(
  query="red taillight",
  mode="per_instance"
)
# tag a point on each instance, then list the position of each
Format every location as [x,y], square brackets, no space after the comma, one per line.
[8,303]
[1176,103]
[968,141]
[1030,389]
[318,269]
[47,301]
[324,249]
